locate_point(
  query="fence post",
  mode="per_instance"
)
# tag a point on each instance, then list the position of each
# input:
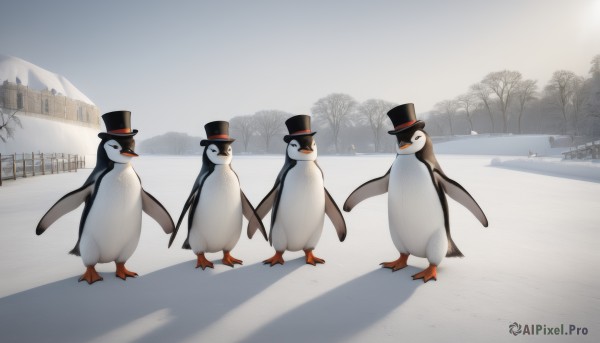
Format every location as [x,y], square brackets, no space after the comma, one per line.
[33,163]
[15,166]
[43,166]
[24,166]
[0,169]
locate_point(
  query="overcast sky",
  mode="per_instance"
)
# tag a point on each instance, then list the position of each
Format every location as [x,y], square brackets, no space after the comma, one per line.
[179,64]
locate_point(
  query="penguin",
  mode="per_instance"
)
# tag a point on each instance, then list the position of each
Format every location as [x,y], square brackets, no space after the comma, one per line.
[419,221]
[216,202]
[299,200]
[110,225]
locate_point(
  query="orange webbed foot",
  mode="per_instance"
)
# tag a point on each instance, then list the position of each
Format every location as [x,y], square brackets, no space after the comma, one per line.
[276,259]
[397,264]
[90,275]
[427,274]
[123,273]
[203,262]
[229,260]
[312,259]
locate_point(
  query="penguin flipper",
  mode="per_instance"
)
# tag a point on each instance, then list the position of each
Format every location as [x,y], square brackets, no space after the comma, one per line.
[64,205]
[254,221]
[187,205]
[335,215]
[460,195]
[368,189]
[157,211]
[267,202]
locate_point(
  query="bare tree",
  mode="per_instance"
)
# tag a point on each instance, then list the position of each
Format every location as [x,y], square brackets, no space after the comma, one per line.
[335,109]
[468,102]
[7,124]
[524,92]
[374,111]
[595,68]
[435,127]
[502,84]
[448,108]
[243,127]
[581,92]
[561,86]
[483,92]
[269,123]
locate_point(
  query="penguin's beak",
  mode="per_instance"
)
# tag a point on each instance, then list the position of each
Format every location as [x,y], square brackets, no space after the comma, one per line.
[404,145]
[306,150]
[128,152]
[223,154]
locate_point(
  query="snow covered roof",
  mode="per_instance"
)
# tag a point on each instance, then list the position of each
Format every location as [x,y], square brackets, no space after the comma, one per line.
[34,77]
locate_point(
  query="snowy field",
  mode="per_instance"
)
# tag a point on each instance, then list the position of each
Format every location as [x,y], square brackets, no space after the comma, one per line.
[535,264]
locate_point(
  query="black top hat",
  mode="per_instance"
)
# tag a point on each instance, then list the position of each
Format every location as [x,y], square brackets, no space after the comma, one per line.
[298,125]
[216,131]
[403,117]
[118,123]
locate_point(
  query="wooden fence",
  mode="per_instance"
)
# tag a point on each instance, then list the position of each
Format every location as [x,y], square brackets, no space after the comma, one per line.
[27,165]
[589,150]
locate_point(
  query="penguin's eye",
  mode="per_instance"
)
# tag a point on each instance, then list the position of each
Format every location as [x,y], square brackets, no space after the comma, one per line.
[213,150]
[417,138]
[115,146]
[294,145]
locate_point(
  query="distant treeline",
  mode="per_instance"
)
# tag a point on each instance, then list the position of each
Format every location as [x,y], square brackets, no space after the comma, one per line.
[502,102]
[505,102]
[171,143]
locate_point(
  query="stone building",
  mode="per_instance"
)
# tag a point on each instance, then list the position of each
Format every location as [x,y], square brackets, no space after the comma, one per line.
[48,104]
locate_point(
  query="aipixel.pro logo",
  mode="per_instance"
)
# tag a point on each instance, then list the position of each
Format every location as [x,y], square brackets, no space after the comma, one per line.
[516,329]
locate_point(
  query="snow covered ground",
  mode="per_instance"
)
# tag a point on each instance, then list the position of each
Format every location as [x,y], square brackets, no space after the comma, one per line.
[587,170]
[509,145]
[49,136]
[535,264]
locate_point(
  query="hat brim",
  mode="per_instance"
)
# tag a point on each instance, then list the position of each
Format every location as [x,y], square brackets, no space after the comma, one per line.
[419,124]
[108,135]
[206,142]
[288,138]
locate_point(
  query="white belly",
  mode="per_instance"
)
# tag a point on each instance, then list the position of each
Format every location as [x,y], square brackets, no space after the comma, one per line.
[414,210]
[301,210]
[217,222]
[113,225]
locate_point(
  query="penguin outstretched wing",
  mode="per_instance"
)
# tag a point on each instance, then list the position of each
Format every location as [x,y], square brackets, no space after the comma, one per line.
[64,205]
[271,200]
[458,193]
[333,211]
[157,211]
[367,190]
[192,199]
[335,215]
[254,221]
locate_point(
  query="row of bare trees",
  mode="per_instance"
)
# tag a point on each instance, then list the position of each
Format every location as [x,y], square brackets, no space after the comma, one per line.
[568,104]
[333,115]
